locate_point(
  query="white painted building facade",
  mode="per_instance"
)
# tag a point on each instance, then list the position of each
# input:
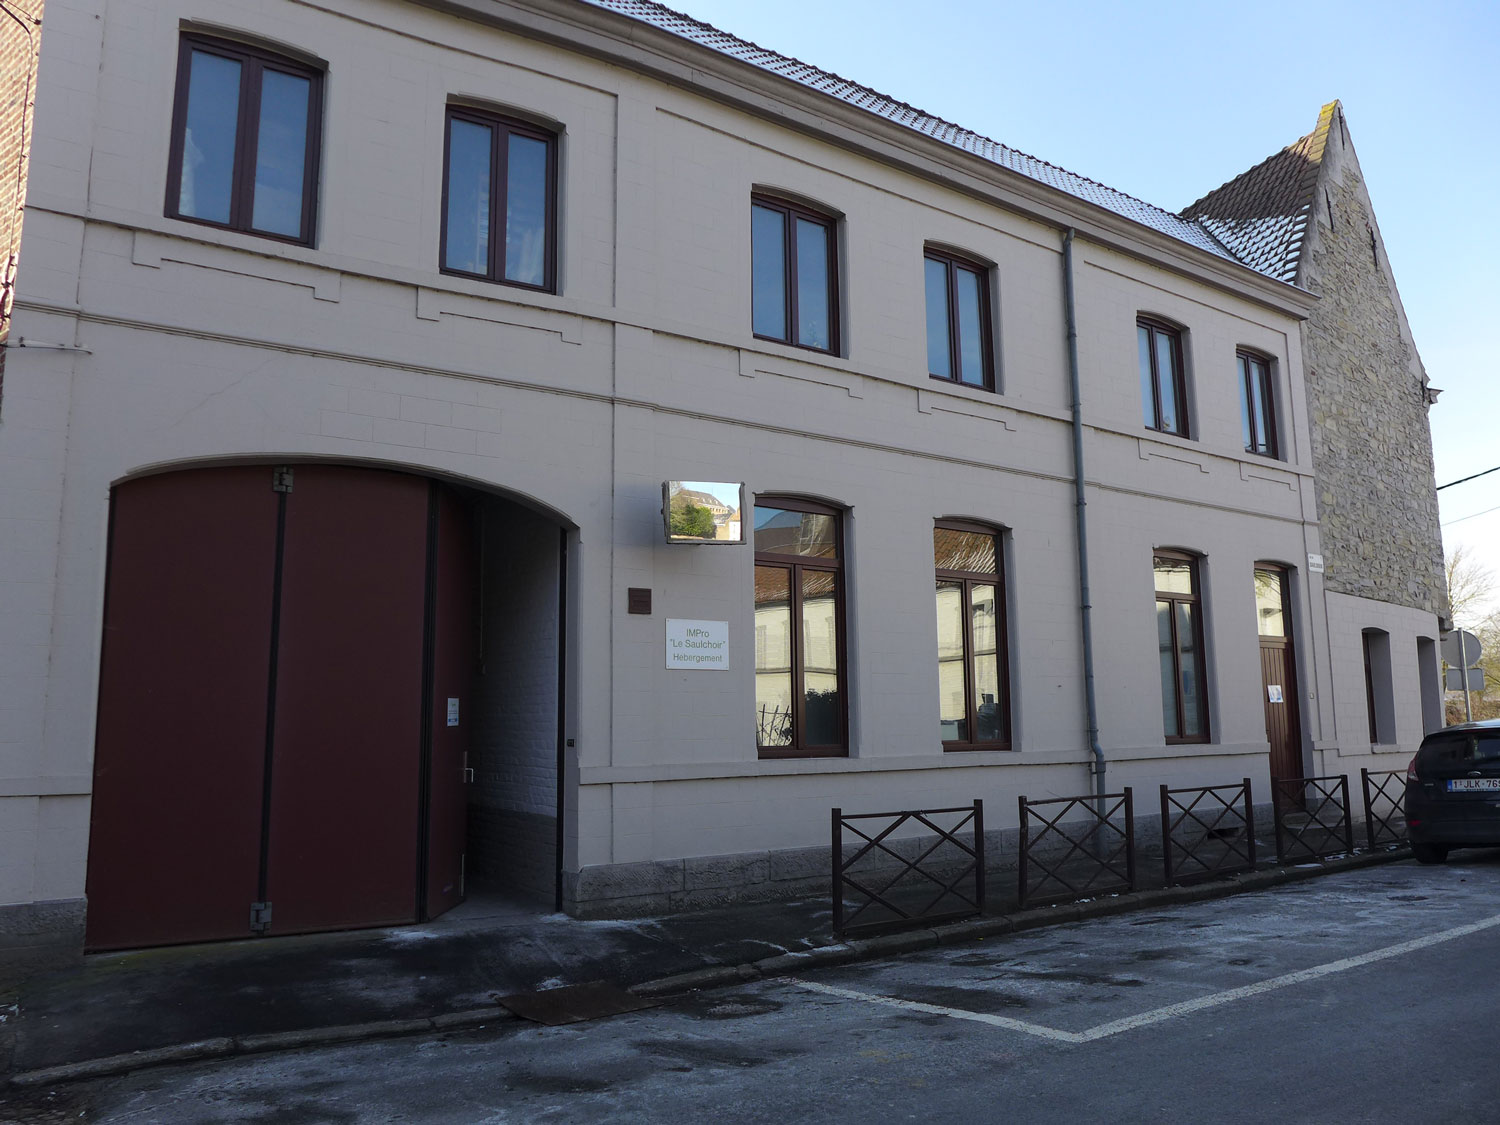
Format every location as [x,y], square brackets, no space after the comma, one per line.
[157,345]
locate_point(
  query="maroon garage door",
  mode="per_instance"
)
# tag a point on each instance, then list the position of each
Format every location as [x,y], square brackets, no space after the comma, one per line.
[273,737]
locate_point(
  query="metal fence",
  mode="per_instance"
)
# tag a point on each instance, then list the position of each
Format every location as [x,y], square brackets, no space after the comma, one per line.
[1076,848]
[1207,832]
[1312,817]
[1385,810]
[896,881]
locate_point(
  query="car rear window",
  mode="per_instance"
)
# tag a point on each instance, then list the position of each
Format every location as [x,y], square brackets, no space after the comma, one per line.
[1454,749]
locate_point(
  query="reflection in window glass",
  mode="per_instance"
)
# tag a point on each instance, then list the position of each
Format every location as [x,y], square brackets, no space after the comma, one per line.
[1148,377]
[972,551]
[768,272]
[1257,409]
[823,709]
[957,320]
[210,137]
[985,630]
[1179,638]
[526,211]
[468,219]
[813,330]
[953,706]
[1187,662]
[970,328]
[773,657]
[781,531]
[1270,600]
[938,343]
[972,701]
[499,220]
[1163,388]
[1167,381]
[1167,650]
[799,690]
[281,153]
[793,275]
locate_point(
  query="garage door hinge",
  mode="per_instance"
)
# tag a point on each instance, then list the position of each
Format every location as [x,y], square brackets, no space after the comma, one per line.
[281,479]
[260,917]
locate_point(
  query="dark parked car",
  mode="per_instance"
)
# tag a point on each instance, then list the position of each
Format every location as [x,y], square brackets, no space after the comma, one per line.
[1453,791]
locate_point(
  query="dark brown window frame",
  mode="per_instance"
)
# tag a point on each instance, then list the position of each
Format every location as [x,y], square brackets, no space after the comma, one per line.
[254,60]
[795,565]
[1267,378]
[953,263]
[1179,382]
[1195,598]
[794,211]
[499,155]
[971,578]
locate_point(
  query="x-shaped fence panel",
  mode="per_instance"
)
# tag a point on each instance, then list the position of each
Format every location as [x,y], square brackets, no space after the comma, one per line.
[1385,810]
[1071,847]
[1207,832]
[1312,817]
[900,880]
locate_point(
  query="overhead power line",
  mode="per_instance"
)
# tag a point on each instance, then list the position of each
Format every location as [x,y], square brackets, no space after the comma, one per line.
[1476,476]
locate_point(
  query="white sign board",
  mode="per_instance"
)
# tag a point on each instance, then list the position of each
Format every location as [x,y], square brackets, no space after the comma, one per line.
[452,712]
[703,645]
[1315,563]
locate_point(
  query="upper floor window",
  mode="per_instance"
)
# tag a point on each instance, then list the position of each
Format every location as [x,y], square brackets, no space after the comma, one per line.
[1257,404]
[245,136]
[958,320]
[799,610]
[1163,385]
[973,695]
[499,192]
[794,275]
[1179,635]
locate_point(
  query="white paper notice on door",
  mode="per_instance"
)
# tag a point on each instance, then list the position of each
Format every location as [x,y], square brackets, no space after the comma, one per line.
[453,711]
[1273,693]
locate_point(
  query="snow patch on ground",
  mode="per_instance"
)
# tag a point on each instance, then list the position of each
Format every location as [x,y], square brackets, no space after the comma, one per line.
[401,936]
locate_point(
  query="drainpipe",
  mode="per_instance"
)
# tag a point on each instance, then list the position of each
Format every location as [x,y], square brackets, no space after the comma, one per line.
[1096,767]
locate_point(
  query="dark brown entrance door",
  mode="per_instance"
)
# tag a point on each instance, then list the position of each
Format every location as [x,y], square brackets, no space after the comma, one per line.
[1278,672]
[265,703]
[174,847]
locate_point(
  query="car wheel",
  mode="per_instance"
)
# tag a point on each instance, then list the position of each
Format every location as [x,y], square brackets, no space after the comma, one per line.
[1430,853]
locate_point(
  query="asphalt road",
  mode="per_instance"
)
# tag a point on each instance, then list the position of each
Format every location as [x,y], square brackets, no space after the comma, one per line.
[1366,996]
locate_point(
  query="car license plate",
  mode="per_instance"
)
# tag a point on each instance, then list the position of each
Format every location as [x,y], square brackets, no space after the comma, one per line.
[1474,784]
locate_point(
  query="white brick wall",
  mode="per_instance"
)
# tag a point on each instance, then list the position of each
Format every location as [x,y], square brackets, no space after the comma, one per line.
[207,346]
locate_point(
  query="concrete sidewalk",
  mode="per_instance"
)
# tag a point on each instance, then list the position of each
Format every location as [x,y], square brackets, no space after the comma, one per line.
[122,1011]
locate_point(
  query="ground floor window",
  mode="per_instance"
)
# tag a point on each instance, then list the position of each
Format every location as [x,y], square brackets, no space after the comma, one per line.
[801,707]
[1179,633]
[973,701]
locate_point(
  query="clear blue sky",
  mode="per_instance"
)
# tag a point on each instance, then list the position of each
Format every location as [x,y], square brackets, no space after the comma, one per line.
[1168,100]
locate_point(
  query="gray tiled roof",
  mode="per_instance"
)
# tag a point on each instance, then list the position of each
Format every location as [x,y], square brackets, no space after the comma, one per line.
[1262,214]
[1158,219]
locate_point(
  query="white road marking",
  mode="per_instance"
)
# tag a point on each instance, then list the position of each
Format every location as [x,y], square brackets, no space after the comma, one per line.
[1158,1015]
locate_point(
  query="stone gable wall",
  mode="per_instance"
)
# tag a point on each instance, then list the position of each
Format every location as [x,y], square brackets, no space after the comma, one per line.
[1367,392]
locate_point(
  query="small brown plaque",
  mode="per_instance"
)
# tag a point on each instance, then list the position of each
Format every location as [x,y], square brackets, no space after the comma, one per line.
[639,600]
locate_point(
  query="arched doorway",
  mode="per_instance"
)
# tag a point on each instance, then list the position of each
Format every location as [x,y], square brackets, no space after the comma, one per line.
[287,703]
